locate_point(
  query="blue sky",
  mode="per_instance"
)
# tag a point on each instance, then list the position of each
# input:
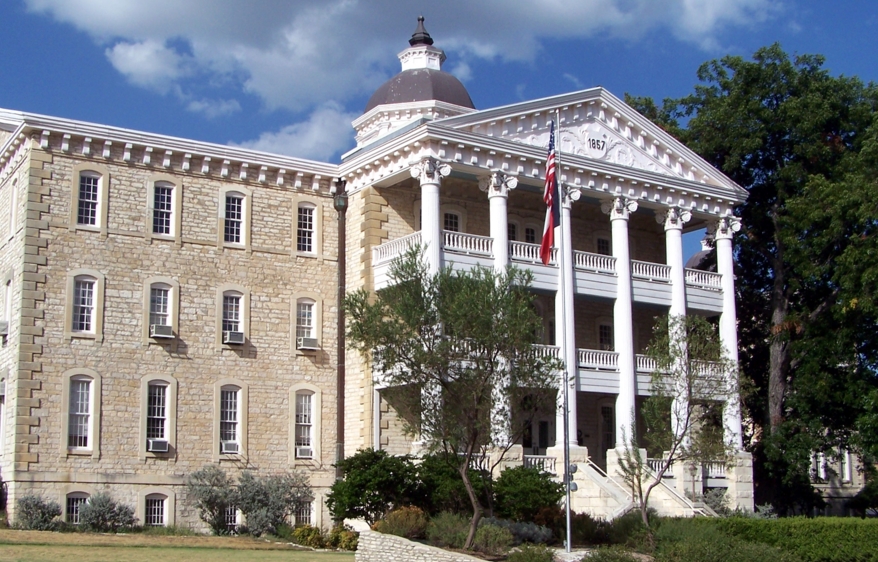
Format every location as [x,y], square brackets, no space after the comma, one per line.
[289,76]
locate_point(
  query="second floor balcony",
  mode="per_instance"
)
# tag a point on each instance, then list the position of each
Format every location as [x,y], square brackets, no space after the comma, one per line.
[594,275]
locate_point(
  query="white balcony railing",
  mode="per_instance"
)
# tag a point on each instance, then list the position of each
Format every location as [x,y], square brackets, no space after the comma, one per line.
[587,261]
[656,464]
[547,351]
[529,253]
[598,360]
[470,244]
[650,271]
[704,279]
[539,461]
[714,469]
[644,363]
[389,250]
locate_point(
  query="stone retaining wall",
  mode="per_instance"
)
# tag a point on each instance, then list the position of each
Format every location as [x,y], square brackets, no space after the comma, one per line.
[378,547]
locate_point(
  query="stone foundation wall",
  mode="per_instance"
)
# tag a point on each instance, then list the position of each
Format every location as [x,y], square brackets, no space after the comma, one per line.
[378,547]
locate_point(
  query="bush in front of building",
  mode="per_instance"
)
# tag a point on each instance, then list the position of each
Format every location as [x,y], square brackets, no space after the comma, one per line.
[521,492]
[342,537]
[447,529]
[212,492]
[268,502]
[407,521]
[36,514]
[492,539]
[532,553]
[102,514]
[309,536]
[522,531]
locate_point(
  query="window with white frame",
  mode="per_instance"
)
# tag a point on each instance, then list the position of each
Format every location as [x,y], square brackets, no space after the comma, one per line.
[234,218]
[305,318]
[88,206]
[304,425]
[157,411]
[81,407]
[605,336]
[512,231]
[84,289]
[230,418]
[303,514]
[305,228]
[530,235]
[233,518]
[154,514]
[162,208]
[232,312]
[451,222]
[160,305]
[604,247]
[74,502]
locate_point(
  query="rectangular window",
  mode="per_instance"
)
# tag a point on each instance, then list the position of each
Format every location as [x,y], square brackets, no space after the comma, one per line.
[606,337]
[72,510]
[305,320]
[161,210]
[158,306]
[452,222]
[154,516]
[83,305]
[80,414]
[232,518]
[530,235]
[229,416]
[604,247]
[512,231]
[303,514]
[231,313]
[234,218]
[87,212]
[305,230]
[303,420]
[156,411]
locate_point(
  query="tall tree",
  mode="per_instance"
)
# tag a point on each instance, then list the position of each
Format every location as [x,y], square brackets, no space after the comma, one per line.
[462,343]
[792,135]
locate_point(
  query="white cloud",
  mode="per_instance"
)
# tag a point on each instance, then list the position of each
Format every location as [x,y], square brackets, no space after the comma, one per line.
[325,134]
[298,54]
[573,80]
[214,108]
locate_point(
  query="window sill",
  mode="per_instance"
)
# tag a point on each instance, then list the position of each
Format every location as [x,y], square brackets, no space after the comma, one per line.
[82,335]
[88,227]
[71,452]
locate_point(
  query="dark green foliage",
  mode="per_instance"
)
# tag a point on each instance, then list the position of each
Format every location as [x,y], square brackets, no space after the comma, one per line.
[866,498]
[443,488]
[407,521]
[101,514]
[448,529]
[36,514]
[309,536]
[611,554]
[211,492]
[629,530]
[531,553]
[342,537]
[522,531]
[521,492]
[492,539]
[374,483]
[268,501]
[586,530]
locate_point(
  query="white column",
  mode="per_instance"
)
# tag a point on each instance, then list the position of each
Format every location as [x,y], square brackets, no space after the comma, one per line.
[673,221]
[430,172]
[728,325]
[565,326]
[623,322]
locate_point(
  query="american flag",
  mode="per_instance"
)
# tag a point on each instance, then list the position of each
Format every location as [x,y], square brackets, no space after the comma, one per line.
[550,196]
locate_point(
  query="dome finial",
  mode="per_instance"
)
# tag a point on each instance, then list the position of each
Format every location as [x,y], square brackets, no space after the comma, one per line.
[420,36]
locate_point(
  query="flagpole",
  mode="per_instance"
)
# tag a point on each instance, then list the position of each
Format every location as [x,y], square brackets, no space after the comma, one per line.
[563,331]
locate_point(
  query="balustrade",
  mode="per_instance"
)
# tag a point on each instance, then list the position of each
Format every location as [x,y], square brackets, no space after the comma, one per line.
[541,462]
[588,261]
[389,250]
[599,360]
[650,271]
[470,244]
[704,279]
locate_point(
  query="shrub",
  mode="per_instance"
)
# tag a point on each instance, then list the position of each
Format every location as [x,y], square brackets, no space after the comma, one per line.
[701,540]
[212,493]
[521,492]
[629,530]
[267,502]
[587,530]
[531,553]
[409,522]
[492,539]
[36,514]
[309,536]
[611,554]
[443,489]
[101,514]
[448,529]
[374,483]
[342,537]
[522,532]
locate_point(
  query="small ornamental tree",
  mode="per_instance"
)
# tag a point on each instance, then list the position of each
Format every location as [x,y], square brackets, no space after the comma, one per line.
[692,378]
[212,492]
[463,342]
[373,484]
[268,501]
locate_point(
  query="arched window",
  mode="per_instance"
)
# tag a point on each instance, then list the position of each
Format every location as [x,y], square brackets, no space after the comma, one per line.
[81,399]
[85,304]
[305,228]
[73,502]
[89,187]
[230,420]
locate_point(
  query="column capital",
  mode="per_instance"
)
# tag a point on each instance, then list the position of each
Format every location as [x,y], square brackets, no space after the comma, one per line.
[430,170]
[569,194]
[498,184]
[674,218]
[620,208]
[725,228]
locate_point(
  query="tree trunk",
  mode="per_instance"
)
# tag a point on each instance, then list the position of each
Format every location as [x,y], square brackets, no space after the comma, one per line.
[779,349]
[474,500]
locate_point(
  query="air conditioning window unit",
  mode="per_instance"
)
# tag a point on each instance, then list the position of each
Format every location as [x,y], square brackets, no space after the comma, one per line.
[157,445]
[304,453]
[307,343]
[161,331]
[4,328]
[229,448]
[236,338]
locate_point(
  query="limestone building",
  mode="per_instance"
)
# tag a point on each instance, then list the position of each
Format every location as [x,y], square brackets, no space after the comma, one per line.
[170,303]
